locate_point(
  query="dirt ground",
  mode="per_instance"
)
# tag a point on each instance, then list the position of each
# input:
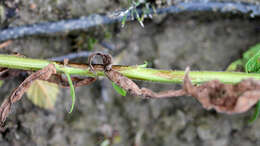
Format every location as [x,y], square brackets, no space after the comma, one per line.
[201,40]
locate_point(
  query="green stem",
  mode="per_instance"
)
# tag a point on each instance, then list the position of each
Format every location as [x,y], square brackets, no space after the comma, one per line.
[133,72]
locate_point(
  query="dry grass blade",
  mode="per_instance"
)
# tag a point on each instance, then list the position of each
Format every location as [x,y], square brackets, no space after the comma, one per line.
[16,95]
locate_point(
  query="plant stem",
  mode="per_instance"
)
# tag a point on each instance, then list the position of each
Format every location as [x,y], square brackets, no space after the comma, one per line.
[132,72]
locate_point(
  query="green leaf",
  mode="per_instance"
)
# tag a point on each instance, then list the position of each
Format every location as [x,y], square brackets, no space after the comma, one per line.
[256,114]
[43,94]
[1,83]
[91,43]
[251,52]
[119,90]
[253,64]
[123,21]
[240,64]
[72,91]
[234,66]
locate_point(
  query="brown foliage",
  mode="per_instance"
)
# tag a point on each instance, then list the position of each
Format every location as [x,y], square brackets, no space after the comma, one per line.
[16,95]
[225,98]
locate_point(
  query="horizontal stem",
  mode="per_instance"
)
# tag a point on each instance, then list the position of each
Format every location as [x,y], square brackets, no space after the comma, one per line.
[133,72]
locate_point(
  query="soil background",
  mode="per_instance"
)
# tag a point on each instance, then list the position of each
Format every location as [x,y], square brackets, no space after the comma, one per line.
[201,40]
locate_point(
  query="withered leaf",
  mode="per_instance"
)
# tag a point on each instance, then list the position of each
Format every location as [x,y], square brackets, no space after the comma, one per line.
[225,98]
[43,94]
[17,94]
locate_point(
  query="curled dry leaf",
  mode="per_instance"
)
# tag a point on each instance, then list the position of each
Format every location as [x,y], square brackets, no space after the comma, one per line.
[225,98]
[16,95]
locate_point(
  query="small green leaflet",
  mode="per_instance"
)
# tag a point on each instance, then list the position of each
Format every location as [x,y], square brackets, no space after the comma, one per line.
[143,65]
[251,52]
[72,91]
[240,64]
[253,64]
[235,65]
[1,83]
[256,113]
[119,90]
[123,21]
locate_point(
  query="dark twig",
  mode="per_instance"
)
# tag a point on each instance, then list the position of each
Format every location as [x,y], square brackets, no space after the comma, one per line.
[72,56]
[48,28]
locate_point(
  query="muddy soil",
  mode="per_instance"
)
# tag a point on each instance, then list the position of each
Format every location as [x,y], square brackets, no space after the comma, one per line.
[203,41]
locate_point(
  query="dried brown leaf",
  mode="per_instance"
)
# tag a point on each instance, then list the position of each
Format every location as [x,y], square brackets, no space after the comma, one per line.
[225,98]
[16,95]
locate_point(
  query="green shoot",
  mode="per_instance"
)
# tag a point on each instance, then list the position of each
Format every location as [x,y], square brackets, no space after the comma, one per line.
[256,113]
[123,21]
[72,91]
[139,18]
[143,65]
